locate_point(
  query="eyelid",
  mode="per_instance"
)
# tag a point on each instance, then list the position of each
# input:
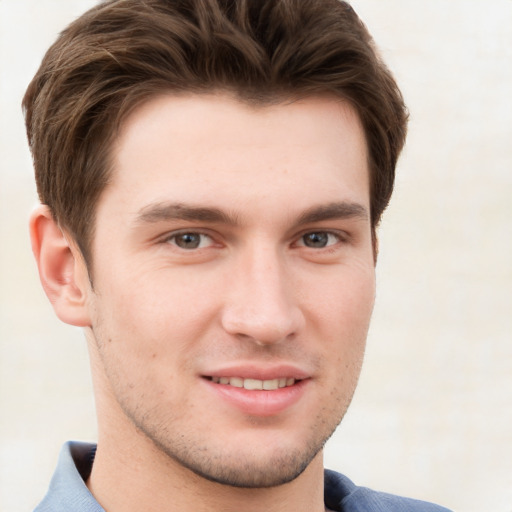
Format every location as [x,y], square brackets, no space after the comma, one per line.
[342,237]
[168,238]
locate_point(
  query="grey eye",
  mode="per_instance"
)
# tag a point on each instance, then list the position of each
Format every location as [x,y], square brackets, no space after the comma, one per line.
[316,240]
[188,240]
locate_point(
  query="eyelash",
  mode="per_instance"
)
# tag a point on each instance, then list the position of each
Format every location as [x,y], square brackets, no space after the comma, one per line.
[174,236]
[340,238]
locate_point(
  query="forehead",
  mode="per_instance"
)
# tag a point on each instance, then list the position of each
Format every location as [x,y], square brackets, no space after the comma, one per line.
[215,148]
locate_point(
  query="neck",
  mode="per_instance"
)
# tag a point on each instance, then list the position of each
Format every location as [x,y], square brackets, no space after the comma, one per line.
[133,476]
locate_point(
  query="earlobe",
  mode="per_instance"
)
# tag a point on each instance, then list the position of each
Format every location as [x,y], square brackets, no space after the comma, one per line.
[62,271]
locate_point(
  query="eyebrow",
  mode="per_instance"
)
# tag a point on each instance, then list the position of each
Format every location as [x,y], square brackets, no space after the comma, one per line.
[178,211]
[332,211]
[164,211]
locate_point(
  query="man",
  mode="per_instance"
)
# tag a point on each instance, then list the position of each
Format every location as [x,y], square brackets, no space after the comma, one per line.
[211,174]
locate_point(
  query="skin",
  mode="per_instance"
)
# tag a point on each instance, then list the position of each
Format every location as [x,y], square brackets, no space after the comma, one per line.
[238,240]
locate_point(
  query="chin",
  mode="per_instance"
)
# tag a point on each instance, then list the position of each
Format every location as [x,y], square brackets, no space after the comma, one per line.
[262,466]
[252,474]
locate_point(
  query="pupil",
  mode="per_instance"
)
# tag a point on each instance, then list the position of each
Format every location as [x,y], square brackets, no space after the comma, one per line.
[188,241]
[316,239]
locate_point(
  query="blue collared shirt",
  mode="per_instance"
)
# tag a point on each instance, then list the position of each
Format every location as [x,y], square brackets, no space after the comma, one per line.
[68,492]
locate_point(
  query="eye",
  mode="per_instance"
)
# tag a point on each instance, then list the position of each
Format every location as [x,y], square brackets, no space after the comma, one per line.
[318,239]
[190,240]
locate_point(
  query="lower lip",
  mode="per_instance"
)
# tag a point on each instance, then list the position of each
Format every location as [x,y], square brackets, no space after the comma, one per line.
[260,403]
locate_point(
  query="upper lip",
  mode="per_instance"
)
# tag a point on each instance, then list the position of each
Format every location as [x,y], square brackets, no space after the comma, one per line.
[259,372]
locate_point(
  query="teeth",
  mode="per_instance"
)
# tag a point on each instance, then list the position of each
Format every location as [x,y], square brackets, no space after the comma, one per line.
[270,385]
[255,384]
[236,381]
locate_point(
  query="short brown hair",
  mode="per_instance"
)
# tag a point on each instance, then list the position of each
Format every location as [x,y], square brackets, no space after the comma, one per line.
[123,52]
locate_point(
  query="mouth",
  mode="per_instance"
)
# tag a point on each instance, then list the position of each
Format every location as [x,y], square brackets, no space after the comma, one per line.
[259,390]
[255,384]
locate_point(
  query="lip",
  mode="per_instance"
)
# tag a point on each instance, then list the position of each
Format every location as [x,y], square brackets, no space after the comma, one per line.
[260,372]
[259,402]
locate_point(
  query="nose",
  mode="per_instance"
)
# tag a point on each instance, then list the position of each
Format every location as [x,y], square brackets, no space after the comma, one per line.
[262,302]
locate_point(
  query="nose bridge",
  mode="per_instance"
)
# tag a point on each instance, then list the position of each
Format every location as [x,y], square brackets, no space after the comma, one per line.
[261,304]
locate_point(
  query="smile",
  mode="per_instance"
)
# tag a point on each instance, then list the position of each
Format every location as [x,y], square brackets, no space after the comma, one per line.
[255,384]
[275,391]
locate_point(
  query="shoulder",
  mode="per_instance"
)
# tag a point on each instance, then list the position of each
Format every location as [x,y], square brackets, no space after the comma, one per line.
[343,495]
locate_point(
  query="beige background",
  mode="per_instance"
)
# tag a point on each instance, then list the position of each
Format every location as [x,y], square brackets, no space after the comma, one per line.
[433,414]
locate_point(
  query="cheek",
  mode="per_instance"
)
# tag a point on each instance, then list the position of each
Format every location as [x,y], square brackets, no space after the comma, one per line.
[155,316]
[346,303]
[343,318]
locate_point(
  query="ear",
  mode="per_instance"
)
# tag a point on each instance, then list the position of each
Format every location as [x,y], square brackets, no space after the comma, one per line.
[62,269]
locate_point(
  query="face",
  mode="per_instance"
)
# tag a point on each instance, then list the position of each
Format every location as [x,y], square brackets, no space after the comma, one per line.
[233,282]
